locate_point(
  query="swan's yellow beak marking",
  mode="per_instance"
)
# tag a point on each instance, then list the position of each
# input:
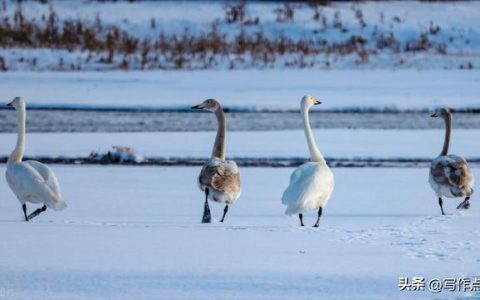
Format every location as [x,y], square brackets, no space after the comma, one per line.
[316,102]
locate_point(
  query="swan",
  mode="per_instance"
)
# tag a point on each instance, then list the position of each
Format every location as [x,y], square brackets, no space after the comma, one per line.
[312,183]
[450,175]
[31,181]
[219,179]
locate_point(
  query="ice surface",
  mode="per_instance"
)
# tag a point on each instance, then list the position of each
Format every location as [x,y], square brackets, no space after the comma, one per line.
[252,89]
[336,143]
[135,232]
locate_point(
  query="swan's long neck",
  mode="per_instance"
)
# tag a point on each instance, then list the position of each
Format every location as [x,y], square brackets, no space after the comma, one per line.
[17,154]
[448,131]
[315,154]
[219,146]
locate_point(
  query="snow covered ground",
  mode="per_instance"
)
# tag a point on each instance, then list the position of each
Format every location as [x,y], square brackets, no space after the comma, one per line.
[175,16]
[334,143]
[134,232]
[252,89]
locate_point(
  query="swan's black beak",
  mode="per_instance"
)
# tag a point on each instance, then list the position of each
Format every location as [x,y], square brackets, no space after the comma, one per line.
[199,106]
[10,104]
[434,115]
[316,102]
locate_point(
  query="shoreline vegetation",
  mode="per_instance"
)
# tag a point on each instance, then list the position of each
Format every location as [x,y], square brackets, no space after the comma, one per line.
[253,162]
[330,37]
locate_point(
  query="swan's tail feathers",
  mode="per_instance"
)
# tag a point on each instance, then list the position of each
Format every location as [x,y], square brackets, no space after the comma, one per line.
[293,209]
[470,192]
[60,205]
[294,205]
[55,201]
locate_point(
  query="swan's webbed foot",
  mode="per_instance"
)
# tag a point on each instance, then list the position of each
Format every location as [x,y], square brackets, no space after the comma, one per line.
[207,216]
[317,224]
[24,208]
[465,204]
[224,213]
[440,202]
[300,216]
[37,212]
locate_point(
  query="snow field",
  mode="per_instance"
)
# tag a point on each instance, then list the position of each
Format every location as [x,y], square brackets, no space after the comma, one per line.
[134,232]
[249,89]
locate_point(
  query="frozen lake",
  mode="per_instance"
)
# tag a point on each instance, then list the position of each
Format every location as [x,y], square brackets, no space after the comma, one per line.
[135,232]
[124,121]
[111,101]
[129,121]
[248,89]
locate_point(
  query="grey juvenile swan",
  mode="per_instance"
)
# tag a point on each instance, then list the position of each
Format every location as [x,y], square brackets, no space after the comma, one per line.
[219,179]
[450,175]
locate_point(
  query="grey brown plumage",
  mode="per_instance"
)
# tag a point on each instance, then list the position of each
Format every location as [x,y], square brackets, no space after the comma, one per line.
[450,175]
[222,178]
[219,178]
[453,173]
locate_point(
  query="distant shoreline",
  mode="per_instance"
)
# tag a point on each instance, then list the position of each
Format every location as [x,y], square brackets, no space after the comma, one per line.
[251,162]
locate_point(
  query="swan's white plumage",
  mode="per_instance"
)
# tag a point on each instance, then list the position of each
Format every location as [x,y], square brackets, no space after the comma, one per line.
[311,186]
[31,181]
[312,183]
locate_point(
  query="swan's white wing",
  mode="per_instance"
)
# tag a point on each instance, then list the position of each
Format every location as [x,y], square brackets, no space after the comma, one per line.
[310,187]
[24,182]
[47,175]
[29,185]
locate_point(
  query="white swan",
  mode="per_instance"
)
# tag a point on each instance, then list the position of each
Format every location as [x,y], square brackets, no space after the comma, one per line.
[450,175]
[311,184]
[219,178]
[31,181]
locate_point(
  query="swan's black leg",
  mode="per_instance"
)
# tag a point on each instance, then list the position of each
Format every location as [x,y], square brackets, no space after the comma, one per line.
[224,213]
[300,216]
[465,204]
[24,207]
[37,212]
[207,217]
[440,202]
[318,218]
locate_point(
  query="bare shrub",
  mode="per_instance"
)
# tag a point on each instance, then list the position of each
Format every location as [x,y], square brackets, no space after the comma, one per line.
[3,65]
[235,12]
[359,17]
[433,30]
[422,44]
[285,13]
[109,44]
[319,2]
